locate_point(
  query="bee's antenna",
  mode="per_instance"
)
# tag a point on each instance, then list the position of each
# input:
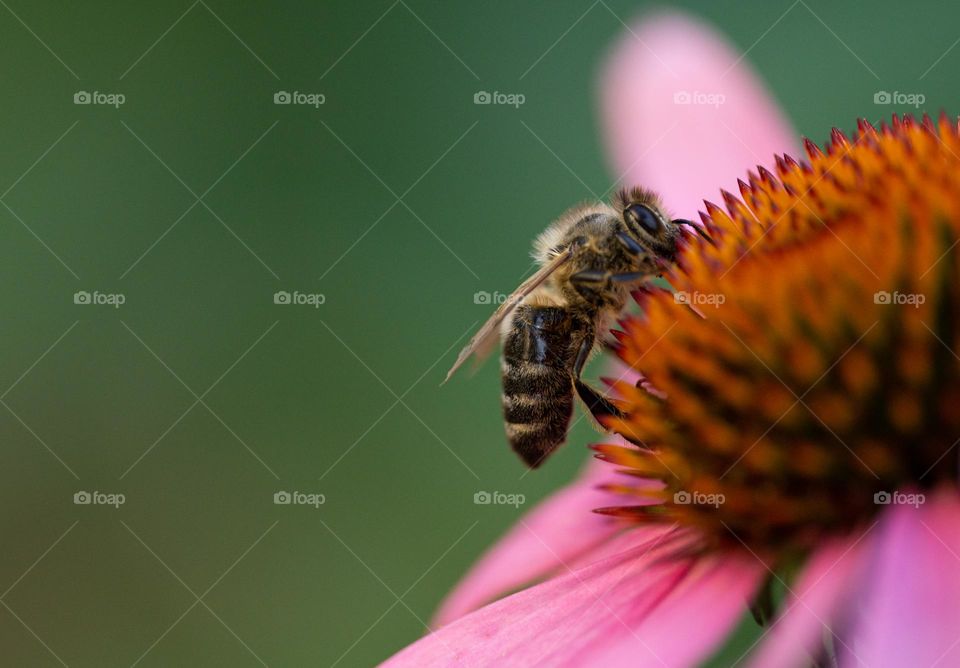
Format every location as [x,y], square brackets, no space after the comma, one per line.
[697,228]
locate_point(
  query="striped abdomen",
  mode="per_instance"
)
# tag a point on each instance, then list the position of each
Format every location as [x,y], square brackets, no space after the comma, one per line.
[538,356]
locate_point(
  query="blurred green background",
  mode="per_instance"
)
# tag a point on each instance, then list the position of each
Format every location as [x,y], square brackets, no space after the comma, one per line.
[198,199]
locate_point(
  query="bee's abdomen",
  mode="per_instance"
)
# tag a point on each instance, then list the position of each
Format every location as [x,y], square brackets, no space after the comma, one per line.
[537,381]
[537,418]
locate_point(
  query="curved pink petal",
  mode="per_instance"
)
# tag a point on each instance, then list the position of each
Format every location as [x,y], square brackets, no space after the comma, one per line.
[558,531]
[651,533]
[815,605]
[909,612]
[606,613]
[694,620]
[684,113]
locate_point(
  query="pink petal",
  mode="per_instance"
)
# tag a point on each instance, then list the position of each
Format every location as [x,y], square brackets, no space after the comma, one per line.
[695,620]
[813,606]
[559,530]
[603,614]
[686,152]
[909,614]
[648,532]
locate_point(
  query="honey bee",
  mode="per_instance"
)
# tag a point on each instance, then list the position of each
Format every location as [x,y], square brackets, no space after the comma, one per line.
[590,259]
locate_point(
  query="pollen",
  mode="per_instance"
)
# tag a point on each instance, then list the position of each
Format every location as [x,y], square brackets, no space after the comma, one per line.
[821,364]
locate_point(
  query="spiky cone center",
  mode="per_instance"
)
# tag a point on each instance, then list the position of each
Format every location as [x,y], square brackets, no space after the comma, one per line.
[808,362]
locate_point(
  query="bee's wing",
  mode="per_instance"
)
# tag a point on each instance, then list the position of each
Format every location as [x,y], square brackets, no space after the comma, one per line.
[486,337]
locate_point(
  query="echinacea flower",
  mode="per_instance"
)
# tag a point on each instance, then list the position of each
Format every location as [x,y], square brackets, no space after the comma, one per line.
[812,407]
[797,424]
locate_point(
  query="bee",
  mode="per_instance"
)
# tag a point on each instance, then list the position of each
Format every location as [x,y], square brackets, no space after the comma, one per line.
[590,259]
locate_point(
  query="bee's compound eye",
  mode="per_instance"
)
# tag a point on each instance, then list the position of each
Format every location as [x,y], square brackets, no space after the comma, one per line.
[640,215]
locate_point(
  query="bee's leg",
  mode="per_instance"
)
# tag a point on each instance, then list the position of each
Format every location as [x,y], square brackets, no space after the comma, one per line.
[696,228]
[590,281]
[597,404]
[630,243]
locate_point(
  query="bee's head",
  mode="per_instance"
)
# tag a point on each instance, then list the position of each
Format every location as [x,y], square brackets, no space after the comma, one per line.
[646,222]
